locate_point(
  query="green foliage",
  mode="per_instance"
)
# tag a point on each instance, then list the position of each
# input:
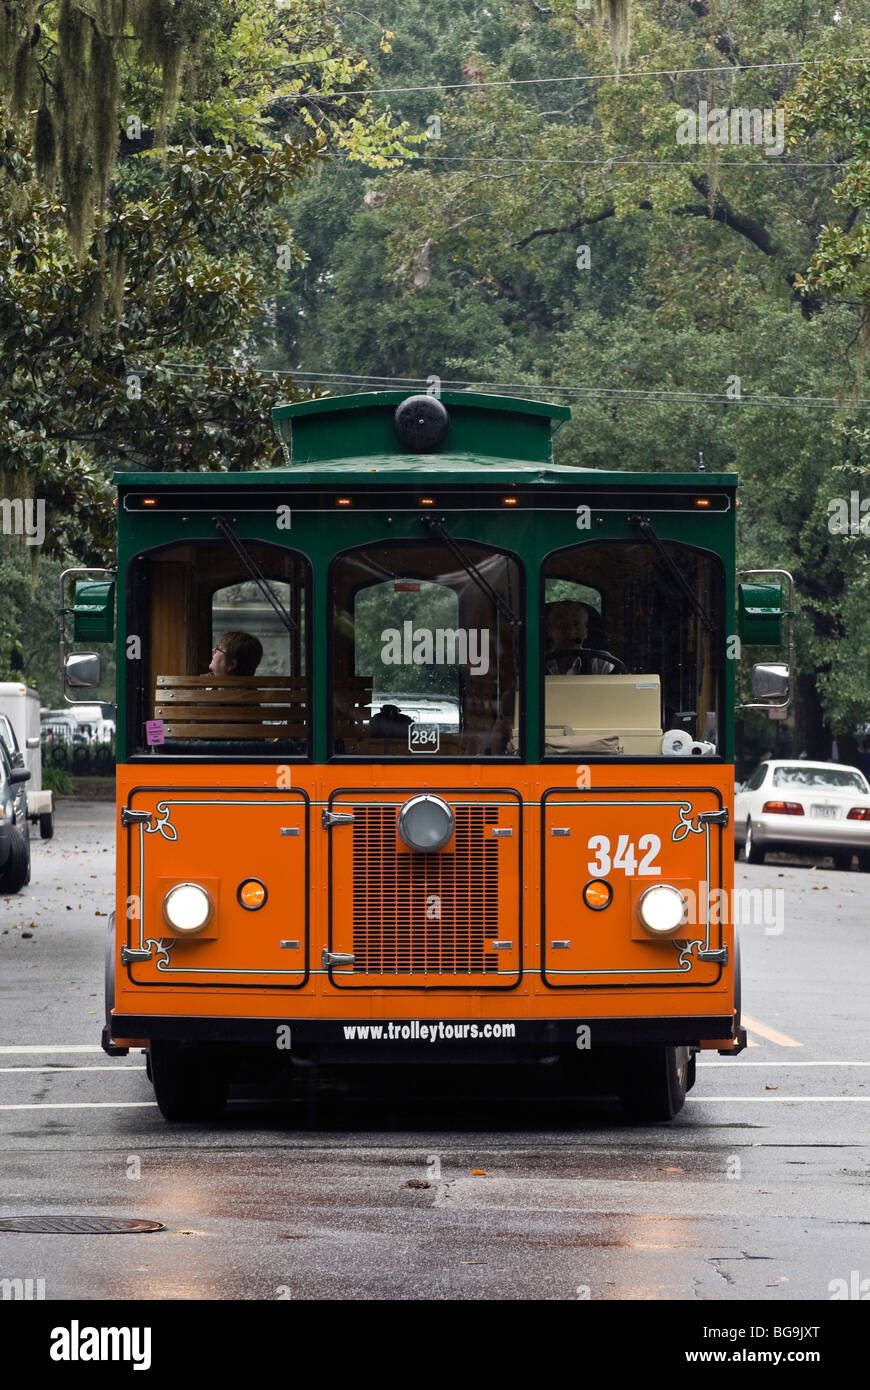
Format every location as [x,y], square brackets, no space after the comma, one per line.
[126,262]
[56,779]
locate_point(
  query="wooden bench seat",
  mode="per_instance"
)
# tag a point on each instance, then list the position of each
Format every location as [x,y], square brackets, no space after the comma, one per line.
[243,707]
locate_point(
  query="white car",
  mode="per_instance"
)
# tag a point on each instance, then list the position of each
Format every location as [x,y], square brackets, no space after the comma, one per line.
[808,808]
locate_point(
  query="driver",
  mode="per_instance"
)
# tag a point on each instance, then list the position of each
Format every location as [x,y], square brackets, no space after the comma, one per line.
[567,624]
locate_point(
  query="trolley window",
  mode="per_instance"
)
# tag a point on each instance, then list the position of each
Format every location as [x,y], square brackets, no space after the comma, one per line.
[426,651]
[223,667]
[632,650]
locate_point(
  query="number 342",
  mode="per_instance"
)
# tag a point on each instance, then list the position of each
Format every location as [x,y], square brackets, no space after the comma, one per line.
[625,856]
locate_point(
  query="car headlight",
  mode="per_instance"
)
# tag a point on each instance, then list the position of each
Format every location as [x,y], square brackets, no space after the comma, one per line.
[187,908]
[425,823]
[661,909]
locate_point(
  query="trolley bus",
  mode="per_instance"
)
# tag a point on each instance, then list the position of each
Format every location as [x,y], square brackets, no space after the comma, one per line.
[425,754]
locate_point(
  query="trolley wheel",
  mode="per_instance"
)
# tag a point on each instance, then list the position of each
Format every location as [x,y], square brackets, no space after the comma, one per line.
[188,1082]
[655,1082]
[46,824]
[691,1071]
[16,872]
[753,852]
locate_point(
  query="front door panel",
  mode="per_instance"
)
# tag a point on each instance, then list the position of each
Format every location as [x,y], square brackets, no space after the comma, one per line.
[219,838]
[631,838]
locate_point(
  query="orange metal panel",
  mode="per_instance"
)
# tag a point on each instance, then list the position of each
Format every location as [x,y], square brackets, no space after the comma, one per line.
[228,820]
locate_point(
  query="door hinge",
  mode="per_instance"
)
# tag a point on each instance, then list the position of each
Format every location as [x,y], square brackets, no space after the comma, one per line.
[331,958]
[330,818]
[129,817]
[129,954]
[720,955]
[713,818]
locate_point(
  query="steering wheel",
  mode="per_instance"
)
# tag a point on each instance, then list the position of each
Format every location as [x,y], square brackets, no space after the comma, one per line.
[619,666]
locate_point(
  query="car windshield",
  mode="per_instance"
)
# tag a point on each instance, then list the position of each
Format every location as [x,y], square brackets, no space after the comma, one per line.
[820,778]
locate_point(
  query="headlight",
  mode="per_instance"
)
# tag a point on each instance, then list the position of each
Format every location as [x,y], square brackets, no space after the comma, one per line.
[426,823]
[187,907]
[661,909]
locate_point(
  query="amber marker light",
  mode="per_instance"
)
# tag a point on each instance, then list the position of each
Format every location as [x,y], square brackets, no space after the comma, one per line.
[252,894]
[598,894]
[149,501]
[426,501]
[509,501]
[343,501]
[702,501]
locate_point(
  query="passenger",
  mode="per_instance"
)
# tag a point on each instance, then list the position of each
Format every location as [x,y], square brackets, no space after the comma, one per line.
[568,625]
[237,654]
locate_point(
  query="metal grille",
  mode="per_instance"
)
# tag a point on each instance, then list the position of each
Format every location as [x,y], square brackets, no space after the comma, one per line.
[424,913]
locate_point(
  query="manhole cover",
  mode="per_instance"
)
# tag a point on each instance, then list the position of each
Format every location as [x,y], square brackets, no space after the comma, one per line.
[78,1225]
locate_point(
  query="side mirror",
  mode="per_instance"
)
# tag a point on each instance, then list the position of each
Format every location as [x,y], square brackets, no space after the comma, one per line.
[771,681]
[18,774]
[82,670]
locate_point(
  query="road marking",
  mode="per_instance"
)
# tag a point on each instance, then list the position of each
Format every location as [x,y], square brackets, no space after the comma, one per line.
[64,1071]
[753,1026]
[754,1064]
[83,1105]
[769,1100]
[61,1047]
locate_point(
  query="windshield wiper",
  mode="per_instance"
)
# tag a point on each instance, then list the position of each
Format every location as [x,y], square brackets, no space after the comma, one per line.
[649,534]
[437,529]
[255,572]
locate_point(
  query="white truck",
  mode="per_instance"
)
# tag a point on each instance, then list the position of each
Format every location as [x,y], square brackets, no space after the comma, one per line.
[20,730]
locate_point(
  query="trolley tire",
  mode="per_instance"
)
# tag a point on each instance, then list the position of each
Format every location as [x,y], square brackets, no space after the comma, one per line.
[109,973]
[46,825]
[187,1083]
[655,1082]
[692,1072]
[16,871]
[753,853]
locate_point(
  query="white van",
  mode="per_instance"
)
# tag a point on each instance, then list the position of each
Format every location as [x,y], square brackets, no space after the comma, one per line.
[20,730]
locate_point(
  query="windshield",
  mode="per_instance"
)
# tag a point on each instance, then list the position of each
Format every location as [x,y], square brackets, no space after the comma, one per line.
[632,650]
[426,658]
[831,778]
[217,668]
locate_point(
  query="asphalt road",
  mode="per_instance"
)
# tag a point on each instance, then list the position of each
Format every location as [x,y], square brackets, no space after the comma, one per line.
[756,1191]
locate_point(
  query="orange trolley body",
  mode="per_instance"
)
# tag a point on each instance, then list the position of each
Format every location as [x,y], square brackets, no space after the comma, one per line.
[419,831]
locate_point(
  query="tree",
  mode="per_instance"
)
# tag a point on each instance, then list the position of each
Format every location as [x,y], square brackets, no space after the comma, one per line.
[133,270]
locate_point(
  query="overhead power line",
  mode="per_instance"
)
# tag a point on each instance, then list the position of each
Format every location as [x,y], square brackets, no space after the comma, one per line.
[722,70]
[625,395]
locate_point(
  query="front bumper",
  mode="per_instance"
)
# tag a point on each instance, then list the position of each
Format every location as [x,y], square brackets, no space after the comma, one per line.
[409,1040]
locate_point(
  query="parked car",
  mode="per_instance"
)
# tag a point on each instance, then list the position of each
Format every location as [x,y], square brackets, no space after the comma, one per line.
[808,808]
[14,832]
[21,735]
